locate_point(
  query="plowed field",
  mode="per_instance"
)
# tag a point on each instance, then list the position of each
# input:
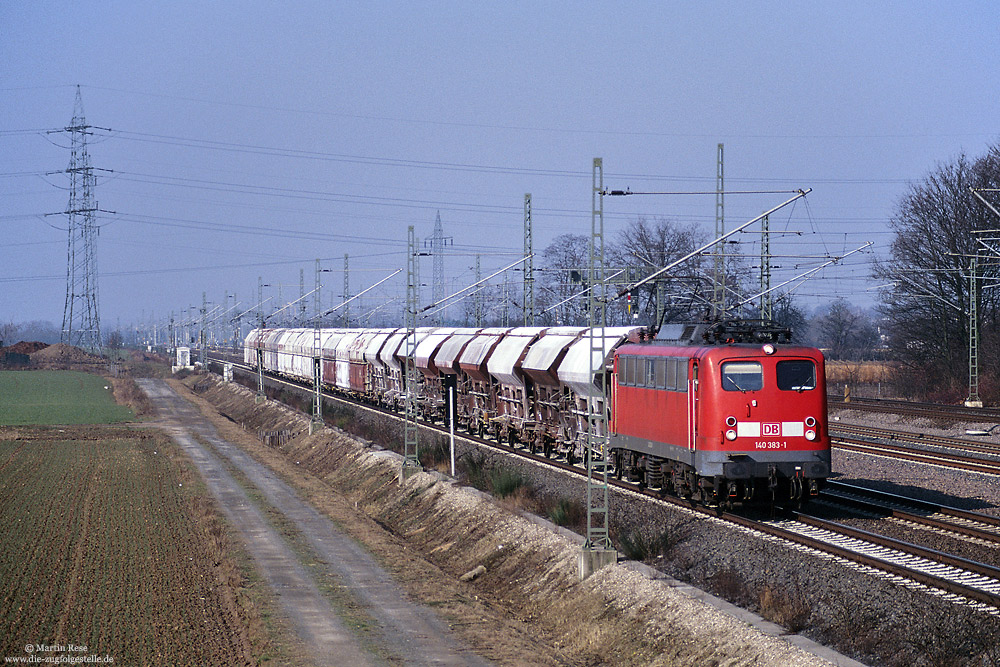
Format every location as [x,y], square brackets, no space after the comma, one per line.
[101,547]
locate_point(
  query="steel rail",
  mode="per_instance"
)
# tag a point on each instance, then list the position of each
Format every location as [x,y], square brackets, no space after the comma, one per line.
[930,410]
[916,438]
[948,584]
[885,496]
[919,456]
[886,511]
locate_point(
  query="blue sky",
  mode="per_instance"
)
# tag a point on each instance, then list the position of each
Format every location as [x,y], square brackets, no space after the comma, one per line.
[248,139]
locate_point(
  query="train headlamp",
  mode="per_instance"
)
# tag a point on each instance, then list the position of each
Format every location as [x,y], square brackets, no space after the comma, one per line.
[768,348]
[810,434]
[730,421]
[810,421]
[731,434]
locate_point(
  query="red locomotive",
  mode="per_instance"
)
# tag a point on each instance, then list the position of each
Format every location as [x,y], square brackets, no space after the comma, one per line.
[727,422]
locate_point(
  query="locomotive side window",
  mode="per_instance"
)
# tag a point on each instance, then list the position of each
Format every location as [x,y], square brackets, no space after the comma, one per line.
[742,376]
[796,375]
[638,372]
[669,373]
[628,372]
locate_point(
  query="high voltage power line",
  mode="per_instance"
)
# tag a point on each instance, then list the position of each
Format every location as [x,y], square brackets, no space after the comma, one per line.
[81,319]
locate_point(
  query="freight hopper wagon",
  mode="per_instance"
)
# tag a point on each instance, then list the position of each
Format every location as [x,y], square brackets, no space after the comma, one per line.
[702,416]
[535,386]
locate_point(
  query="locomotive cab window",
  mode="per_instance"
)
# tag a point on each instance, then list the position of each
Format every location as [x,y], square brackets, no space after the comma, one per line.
[796,375]
[742,376]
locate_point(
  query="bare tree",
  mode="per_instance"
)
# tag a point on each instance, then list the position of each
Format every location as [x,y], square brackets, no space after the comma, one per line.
[116,340]
[8,332]
[563,275]
[848,333]
[645,246]
[927,302]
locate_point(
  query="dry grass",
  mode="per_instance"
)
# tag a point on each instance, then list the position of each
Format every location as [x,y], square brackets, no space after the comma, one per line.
[785,606]
[860,371]
[128,393]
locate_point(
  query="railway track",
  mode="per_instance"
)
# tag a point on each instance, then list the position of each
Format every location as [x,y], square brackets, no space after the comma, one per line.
[956,576]
[953,520]
[954,461]
[921,448]
[916,438]
[927,410]
[958,579]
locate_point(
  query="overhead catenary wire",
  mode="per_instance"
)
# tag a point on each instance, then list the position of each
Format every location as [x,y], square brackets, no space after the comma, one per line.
[475,284]
[359,294]
[656,274]
[801,276]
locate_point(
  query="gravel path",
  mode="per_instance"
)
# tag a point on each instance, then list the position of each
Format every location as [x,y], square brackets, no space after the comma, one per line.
[410,634]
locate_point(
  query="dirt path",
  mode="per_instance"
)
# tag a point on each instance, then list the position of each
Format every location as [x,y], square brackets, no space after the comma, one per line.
[405,634]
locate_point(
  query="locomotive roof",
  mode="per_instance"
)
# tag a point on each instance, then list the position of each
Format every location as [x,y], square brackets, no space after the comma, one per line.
[665,349]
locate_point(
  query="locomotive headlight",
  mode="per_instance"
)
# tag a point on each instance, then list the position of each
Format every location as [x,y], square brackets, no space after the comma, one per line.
[810,421]
[731,434]
[768,349]
[730,421]
[810,434]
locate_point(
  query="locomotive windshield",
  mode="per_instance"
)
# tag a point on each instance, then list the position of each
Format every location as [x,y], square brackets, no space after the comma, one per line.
[742,376]
[796,375]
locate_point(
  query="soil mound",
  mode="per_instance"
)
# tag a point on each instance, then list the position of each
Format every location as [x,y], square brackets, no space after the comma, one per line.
[61,354]
[24,347]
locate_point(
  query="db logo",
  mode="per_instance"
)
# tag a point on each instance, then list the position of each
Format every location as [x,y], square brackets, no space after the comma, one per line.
[770,429]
